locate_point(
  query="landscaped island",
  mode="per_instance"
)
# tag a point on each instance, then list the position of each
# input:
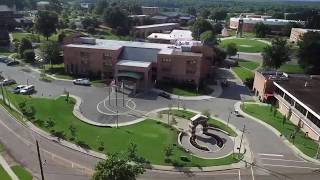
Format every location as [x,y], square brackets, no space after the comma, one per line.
[151,137]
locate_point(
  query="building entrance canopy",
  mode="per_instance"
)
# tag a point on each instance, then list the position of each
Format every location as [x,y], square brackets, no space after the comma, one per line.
[133,75]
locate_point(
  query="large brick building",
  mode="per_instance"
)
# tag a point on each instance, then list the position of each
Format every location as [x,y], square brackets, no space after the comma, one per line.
[297,33]
[144,63]
[296,95]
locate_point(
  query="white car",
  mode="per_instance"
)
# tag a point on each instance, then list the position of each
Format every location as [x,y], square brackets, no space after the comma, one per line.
[27,90]
[17,89]
[83,82]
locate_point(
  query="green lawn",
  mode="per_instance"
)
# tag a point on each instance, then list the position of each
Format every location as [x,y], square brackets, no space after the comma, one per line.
[3,174]
[57,70]
[4,52]
[252,65]
[306,145]
[151,137]
[184,90]
[33,37]
[22,173]
[245,45]
[213,122]
[291,69]
[1,148]
[243,73]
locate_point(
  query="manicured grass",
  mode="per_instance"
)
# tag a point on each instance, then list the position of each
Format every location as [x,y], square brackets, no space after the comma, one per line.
[306,145]
[242,73]
[291,69]
[213,122]
[33,37]
[57,70]
[151,137]
[245,45]
[249,64]
[4,52]
[99,83]
[184,90]
[46,78]
[22,173]
[1,148]
[3,174]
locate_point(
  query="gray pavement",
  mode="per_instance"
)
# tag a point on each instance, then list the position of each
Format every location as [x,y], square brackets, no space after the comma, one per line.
[271,154]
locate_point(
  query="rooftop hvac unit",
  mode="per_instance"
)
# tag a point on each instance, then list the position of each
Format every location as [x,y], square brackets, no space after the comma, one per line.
[89,41]
[186,48]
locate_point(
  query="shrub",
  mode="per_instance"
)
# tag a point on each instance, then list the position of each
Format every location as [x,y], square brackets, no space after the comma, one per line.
[29,55]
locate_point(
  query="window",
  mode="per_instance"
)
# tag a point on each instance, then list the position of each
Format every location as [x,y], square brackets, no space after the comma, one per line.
[288,99]
[300,108]
[166,60]
[105,55]
[84,54]
[166,69]
[314,119]
[191,62]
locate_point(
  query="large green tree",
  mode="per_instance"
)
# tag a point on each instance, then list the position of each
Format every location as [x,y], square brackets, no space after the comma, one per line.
[276,54]
[208,38]
[261,30]
[308,53]
[118,19]
[218,14]
[101,5]
[46,23]
[117,167]
[51,52]
[24,45]
[231,49]
[200,26]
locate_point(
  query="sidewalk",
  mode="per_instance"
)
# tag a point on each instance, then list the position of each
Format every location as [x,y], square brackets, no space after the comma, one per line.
[217,91]
[7,168]
[287,142]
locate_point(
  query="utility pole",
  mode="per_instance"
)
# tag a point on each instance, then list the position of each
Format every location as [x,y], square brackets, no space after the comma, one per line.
[40,162]
[116,95]
[122,94]
[243,130]
[228,119]
[117,119]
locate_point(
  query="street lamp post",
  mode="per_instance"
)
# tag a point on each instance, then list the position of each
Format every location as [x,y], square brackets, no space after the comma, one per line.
[243,130]
[117,119]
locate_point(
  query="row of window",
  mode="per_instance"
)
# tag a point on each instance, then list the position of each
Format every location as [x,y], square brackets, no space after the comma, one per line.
[298,107]
[168,70]
[105,55]
[188,62]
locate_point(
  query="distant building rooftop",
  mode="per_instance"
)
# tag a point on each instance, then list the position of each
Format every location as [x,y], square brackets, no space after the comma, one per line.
[274,75]
[174,35]
[155,25]
[4,8]
[266,21]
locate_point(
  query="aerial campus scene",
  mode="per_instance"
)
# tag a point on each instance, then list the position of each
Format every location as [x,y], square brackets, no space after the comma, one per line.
[159,89]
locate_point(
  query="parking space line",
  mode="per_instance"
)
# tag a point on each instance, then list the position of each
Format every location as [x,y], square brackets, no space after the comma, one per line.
[275,155]
[286,160]
[239,175]
[252,173]
[298,167]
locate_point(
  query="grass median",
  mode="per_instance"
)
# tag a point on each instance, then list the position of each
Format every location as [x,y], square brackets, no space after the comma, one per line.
[262,112]
[245,44]
[152,137]
[22,173]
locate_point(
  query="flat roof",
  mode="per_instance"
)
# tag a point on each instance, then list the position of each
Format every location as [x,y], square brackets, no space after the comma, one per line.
[310,95]
[306,30]
[266,21]
[174,35]
[130,63]
[156,25]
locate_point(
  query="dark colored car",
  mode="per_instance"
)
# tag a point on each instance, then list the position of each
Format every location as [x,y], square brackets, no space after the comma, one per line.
[12,63]
[165,95]
[7,82]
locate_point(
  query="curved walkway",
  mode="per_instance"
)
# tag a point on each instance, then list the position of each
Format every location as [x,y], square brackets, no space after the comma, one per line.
[288,143]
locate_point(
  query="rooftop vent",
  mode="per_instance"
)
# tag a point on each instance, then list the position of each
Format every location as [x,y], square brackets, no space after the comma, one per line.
[91,41]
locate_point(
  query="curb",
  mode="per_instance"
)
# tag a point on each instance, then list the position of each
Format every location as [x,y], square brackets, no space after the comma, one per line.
[7,168]
[285,140]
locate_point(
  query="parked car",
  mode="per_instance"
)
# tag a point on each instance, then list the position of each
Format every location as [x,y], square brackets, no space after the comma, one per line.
[7,82]
[165,95]
[3,58]
[12,63]
[83,82]
[17,89]
[236,113]
[27,90]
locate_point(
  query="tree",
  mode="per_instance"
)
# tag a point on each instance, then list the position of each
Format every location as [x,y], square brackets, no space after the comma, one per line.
[205,13]
[29,55]
[117,167]
[89,22]
[55,5]
[231,49]
[51,52]
[219,55]
[308,53]
[261,30]
[208,38]
[46,23]
[276,54]
[118,19]
[101,5]
[24,45]
[314,22]
[218,14]
[168,152]
[278,15]
[192,11]
[200,26]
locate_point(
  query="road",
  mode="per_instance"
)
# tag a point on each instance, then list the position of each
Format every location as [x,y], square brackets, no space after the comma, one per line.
[272,158]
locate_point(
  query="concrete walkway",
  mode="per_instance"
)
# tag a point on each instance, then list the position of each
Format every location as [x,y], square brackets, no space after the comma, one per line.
[7,168]
[287,142]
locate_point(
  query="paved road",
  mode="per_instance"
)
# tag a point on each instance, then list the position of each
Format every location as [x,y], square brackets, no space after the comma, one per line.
[268,150]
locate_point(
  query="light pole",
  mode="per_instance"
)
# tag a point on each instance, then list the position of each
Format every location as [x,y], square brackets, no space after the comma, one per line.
[40,161]
[243,130]
[229,118]
[122,94]
[117,119]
